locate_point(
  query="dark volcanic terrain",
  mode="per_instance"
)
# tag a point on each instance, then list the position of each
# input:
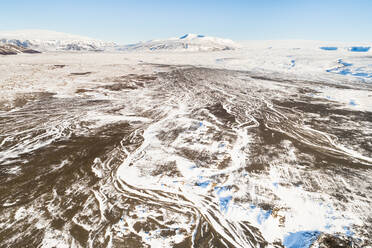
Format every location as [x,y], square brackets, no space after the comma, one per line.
[185,157]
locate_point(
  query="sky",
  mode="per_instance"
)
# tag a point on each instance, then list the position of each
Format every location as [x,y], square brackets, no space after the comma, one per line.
[130,21]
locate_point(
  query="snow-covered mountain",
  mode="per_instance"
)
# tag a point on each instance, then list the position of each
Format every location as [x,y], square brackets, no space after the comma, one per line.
[188,42]
[44,40]
[10,49]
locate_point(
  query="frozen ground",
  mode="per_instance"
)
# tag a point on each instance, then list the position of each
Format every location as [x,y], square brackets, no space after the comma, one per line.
[269,145]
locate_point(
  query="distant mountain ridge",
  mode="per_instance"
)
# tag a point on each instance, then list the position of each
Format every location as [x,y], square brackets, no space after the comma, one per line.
[187,42]
[10,49]
[44,40]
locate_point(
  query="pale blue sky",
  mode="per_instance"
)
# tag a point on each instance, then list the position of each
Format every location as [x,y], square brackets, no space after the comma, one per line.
[129,21]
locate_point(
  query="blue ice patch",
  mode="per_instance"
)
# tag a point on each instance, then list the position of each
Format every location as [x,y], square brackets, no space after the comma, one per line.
[187,35]
[347,231]
[263,215]
[220,189]
[293,63]
[302,239]
[352,103]
[328,226]
[359,49]
[362,74]
[203,184]
[345,72]
[329,48]
[224,203]
[221,145]
[340,61]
